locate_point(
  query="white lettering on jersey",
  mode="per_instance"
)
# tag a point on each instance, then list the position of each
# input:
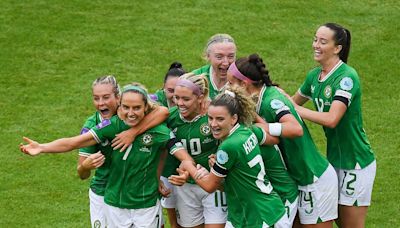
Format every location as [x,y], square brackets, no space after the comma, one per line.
[250,143]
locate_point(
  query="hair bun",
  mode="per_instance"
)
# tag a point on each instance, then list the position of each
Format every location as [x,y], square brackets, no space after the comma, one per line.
[175,65]
[254,58]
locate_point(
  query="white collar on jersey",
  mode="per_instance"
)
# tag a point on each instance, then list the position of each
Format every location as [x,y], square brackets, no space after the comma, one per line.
[190,121]
[234,129]
[330,72]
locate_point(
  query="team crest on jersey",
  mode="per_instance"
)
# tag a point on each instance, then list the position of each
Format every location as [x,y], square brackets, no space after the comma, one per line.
[222,157]
[328,91]
[205,129]
[105,143]
[346,83]
[147,139]
[276,104]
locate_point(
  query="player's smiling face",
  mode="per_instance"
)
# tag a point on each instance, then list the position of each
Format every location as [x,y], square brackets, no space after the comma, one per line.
[132,109]
[105,100]
[220,56]
[188,104]
[220,121]
[169,88]
[324,45]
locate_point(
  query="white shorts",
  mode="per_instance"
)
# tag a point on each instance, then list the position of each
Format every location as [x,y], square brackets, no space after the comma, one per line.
[283,222]
[196,206]
[355,185]
[318,202]
[291,210]
[170,201]
[97,210]
[144,218]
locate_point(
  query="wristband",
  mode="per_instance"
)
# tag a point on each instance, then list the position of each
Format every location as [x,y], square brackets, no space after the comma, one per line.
[275,129]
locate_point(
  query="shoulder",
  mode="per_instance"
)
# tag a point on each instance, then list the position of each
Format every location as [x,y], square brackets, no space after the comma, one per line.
[173,115]
[203,69]
[92,120]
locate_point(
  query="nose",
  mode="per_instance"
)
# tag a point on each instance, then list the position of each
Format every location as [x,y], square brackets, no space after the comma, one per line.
[101,101]
[225,61]
[212,123]
[179,102]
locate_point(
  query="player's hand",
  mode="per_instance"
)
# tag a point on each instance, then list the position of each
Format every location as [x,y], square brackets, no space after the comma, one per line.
[93,161]
[211,160]
[179,179]
[32,148]
[123,140]
[163,189]
[201,172]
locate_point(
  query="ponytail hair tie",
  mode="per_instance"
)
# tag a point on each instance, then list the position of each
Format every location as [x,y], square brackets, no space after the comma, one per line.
[230,93]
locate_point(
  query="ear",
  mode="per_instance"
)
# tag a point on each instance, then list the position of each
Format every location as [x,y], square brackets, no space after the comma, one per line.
[338,48]
[234,119]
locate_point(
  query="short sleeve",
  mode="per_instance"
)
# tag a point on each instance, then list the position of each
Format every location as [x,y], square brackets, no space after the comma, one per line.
[261,135]
[346,88]
[305,88]
[102,131]
[226,158]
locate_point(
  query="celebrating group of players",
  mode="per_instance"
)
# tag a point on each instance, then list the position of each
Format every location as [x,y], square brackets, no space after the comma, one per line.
[224,146]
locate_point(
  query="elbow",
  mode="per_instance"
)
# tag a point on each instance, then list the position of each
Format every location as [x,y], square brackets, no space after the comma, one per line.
[332,123]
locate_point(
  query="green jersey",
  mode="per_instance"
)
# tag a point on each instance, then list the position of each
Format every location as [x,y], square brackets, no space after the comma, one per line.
[195,135]
[251,199]
[100,177]
[133,181]
[277,173]
[213,89]
[304,162]
[347,143]
[161,98]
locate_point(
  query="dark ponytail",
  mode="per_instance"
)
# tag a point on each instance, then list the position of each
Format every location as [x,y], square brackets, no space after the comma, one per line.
[255,69]
[342,37]
[175,70]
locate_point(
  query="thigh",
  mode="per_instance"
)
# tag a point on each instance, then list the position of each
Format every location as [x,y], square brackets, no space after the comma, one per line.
[215,208]
[147,217]
[189,205]
[291,210]
[355,186]
[170,201]
[97,210]
[118,217]
[318,202]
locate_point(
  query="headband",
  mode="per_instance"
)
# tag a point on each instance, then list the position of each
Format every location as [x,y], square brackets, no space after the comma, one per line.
[135,88]
[236,73]
[189,84]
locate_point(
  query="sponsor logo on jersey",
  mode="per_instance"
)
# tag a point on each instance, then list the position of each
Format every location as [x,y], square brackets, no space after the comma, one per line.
[208,140]
[147,139]
[222,157]
[277,104]
[346,83]
[103,124]
[328,91]
[205,129]
[145,149]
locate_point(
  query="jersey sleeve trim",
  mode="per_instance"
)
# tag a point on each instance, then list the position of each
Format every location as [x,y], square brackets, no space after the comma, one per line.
[343,96]
[83,154]
[218,170]
[95,136]
[281,112]
[264,138]
[303,95]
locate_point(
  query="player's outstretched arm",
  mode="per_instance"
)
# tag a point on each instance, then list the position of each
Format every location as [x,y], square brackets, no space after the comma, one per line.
[154,118]
[57,146]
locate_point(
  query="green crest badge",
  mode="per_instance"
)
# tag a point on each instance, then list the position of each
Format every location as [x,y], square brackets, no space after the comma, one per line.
[147,139]
[205,129]
[328,91]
